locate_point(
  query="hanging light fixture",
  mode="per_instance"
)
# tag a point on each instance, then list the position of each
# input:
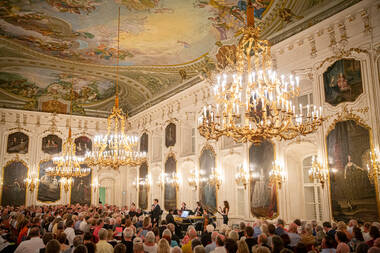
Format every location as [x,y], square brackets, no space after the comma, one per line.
[252,101]
[216,177]
[317,172]
[116,148]
[243,176]
[68,165]
[31,182]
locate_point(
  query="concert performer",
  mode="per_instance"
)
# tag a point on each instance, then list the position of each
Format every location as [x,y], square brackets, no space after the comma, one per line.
[224,212]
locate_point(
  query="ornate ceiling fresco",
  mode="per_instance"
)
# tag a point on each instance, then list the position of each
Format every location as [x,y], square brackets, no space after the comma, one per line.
[46,44]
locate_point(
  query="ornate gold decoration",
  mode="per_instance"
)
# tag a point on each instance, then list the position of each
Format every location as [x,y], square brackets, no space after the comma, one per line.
[349,114]
[66,182]
[115,149]
[317,172]
[341,53]
[277,175]
[374,166]
[252,102]
[243,176]
[31,182]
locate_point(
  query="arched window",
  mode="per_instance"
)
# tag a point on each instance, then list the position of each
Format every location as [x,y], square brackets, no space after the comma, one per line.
[207,191]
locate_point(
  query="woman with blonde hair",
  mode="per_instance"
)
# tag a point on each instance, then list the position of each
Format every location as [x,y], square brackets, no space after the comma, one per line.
[341,226]
[242,247]
[163,246]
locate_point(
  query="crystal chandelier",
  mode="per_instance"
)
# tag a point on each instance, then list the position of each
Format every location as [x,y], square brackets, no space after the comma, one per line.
[115,149]
[317,172]
[374,166]
[66,182]
[252,101]
[68,165]
[194,178]
[278,174]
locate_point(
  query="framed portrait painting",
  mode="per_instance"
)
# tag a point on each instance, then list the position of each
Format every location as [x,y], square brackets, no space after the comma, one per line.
[18,143]
[263,194]
[353,196]
[49,188]
[343,81]
[81,189]
[14,190]
[170,135]
[83,144]
[51,144]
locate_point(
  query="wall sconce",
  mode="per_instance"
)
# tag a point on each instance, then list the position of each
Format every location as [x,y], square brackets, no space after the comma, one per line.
[317,172]
[277,175]
[216,177]
[31,182]
[243,176]
[66,182]
[193,180]
[174,179]
[145,182]
[374,166]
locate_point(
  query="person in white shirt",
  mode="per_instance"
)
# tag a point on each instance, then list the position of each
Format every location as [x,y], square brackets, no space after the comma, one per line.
[83,224]
[69,231]
[33,245]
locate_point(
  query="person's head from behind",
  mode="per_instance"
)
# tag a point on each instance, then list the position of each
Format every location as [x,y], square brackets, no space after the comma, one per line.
[138,245]
[277,242]
[80,249]
[34,232]
[262,239]
[271,229]
[230,245]
[242,226]
[150,238]
[103,234]
[374,232]
[77,241]
[195,243]
[91,247]
[62,238]
[233,235]
[263,249]
[220,241]
[249,231]
[301,248]
[285,239]
[176,249]
[53,246]
[362,248]
[209,228]
[293,228]
[166,234]
[357,232]
[328,242]
[163,246]
[242,247]
[48,236]
[120,248]
[87,237]
[340,236]
[199,249]
[280,223]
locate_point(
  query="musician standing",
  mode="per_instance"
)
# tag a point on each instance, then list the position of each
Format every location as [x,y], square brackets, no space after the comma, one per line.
[224,212]
[156,212]
[198,210]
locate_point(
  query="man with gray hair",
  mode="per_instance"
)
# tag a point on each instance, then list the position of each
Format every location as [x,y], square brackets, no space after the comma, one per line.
[103,246]
[128,234]
[150,245]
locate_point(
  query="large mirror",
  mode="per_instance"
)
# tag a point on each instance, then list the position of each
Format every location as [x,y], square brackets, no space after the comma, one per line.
[170,193]
[207,191]
[143,188]
[263,194]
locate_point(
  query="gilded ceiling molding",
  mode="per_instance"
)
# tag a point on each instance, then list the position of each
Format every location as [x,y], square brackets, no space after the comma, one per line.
[349,114]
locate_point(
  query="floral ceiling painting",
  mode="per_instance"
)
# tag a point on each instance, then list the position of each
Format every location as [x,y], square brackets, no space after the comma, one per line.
[152,31]
[37,85]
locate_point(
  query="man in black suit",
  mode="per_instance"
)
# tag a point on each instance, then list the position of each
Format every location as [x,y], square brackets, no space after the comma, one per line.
[156,212]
